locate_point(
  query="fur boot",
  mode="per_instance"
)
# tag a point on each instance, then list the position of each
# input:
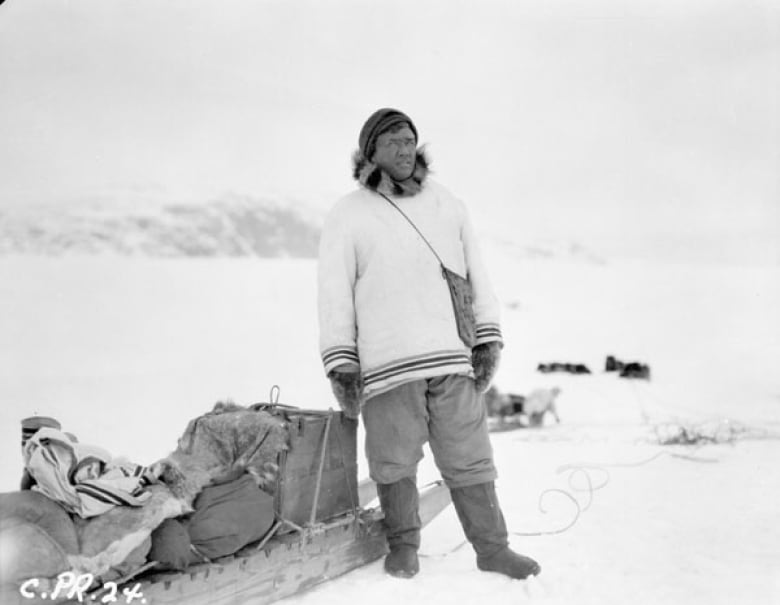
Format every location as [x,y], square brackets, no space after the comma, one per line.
[483,523]
[400,503]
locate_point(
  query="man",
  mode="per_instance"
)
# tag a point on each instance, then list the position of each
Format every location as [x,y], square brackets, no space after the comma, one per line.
[391,348]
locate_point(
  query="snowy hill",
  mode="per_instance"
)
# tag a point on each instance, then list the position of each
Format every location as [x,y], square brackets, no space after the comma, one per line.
[228,227]
[232,226]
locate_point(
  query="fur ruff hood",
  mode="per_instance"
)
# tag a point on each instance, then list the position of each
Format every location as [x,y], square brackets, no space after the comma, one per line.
[373,178]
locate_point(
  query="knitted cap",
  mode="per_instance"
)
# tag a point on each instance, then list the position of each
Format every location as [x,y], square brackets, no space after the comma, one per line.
[381,121]
[31,425]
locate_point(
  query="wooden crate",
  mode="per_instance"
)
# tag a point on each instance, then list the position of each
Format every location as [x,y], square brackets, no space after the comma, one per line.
[299,466]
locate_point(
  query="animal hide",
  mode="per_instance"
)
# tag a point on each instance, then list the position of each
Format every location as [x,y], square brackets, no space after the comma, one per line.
[222,445]
[108,539]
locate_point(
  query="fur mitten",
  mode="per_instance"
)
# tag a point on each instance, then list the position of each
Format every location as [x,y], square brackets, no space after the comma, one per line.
[348,389]
[485,359]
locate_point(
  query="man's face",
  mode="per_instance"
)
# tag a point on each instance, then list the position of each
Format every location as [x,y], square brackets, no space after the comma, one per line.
[395,152]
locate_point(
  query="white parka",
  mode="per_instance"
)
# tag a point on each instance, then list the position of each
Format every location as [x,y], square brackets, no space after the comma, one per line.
[383,302]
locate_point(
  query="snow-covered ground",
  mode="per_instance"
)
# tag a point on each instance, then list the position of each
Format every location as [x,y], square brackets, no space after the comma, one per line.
[124,351]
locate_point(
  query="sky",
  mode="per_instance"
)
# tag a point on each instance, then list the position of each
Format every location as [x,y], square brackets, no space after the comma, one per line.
[643,128]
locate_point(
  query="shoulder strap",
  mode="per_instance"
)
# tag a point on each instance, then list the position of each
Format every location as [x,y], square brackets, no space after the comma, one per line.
[427,243]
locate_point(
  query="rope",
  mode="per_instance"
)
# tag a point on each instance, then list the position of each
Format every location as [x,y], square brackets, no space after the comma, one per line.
[560,530]
[603,465]
[273,397]
[582,469]
[686,432]
[270,534]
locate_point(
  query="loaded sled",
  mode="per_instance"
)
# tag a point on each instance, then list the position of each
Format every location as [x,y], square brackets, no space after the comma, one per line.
[323,526]
[289,563]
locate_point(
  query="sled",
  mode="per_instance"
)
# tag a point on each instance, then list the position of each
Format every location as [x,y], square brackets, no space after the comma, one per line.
[277,567]
[327,524]
[499,424]
[290,563]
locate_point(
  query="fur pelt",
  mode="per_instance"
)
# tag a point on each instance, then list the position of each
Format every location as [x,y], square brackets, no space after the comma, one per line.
[348,389]
[108,539]
[372,177]
[485,359]
[222,445]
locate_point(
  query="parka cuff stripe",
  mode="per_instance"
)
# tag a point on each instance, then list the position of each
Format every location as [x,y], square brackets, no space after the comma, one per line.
[486,332]
[335,356]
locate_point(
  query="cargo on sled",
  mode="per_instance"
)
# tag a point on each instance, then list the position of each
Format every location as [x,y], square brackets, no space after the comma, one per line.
[319,522]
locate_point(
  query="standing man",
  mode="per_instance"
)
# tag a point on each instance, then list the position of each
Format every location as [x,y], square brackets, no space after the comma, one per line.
[391,347]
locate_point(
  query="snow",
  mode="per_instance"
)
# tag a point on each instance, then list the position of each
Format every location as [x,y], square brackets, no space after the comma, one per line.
[124,351]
